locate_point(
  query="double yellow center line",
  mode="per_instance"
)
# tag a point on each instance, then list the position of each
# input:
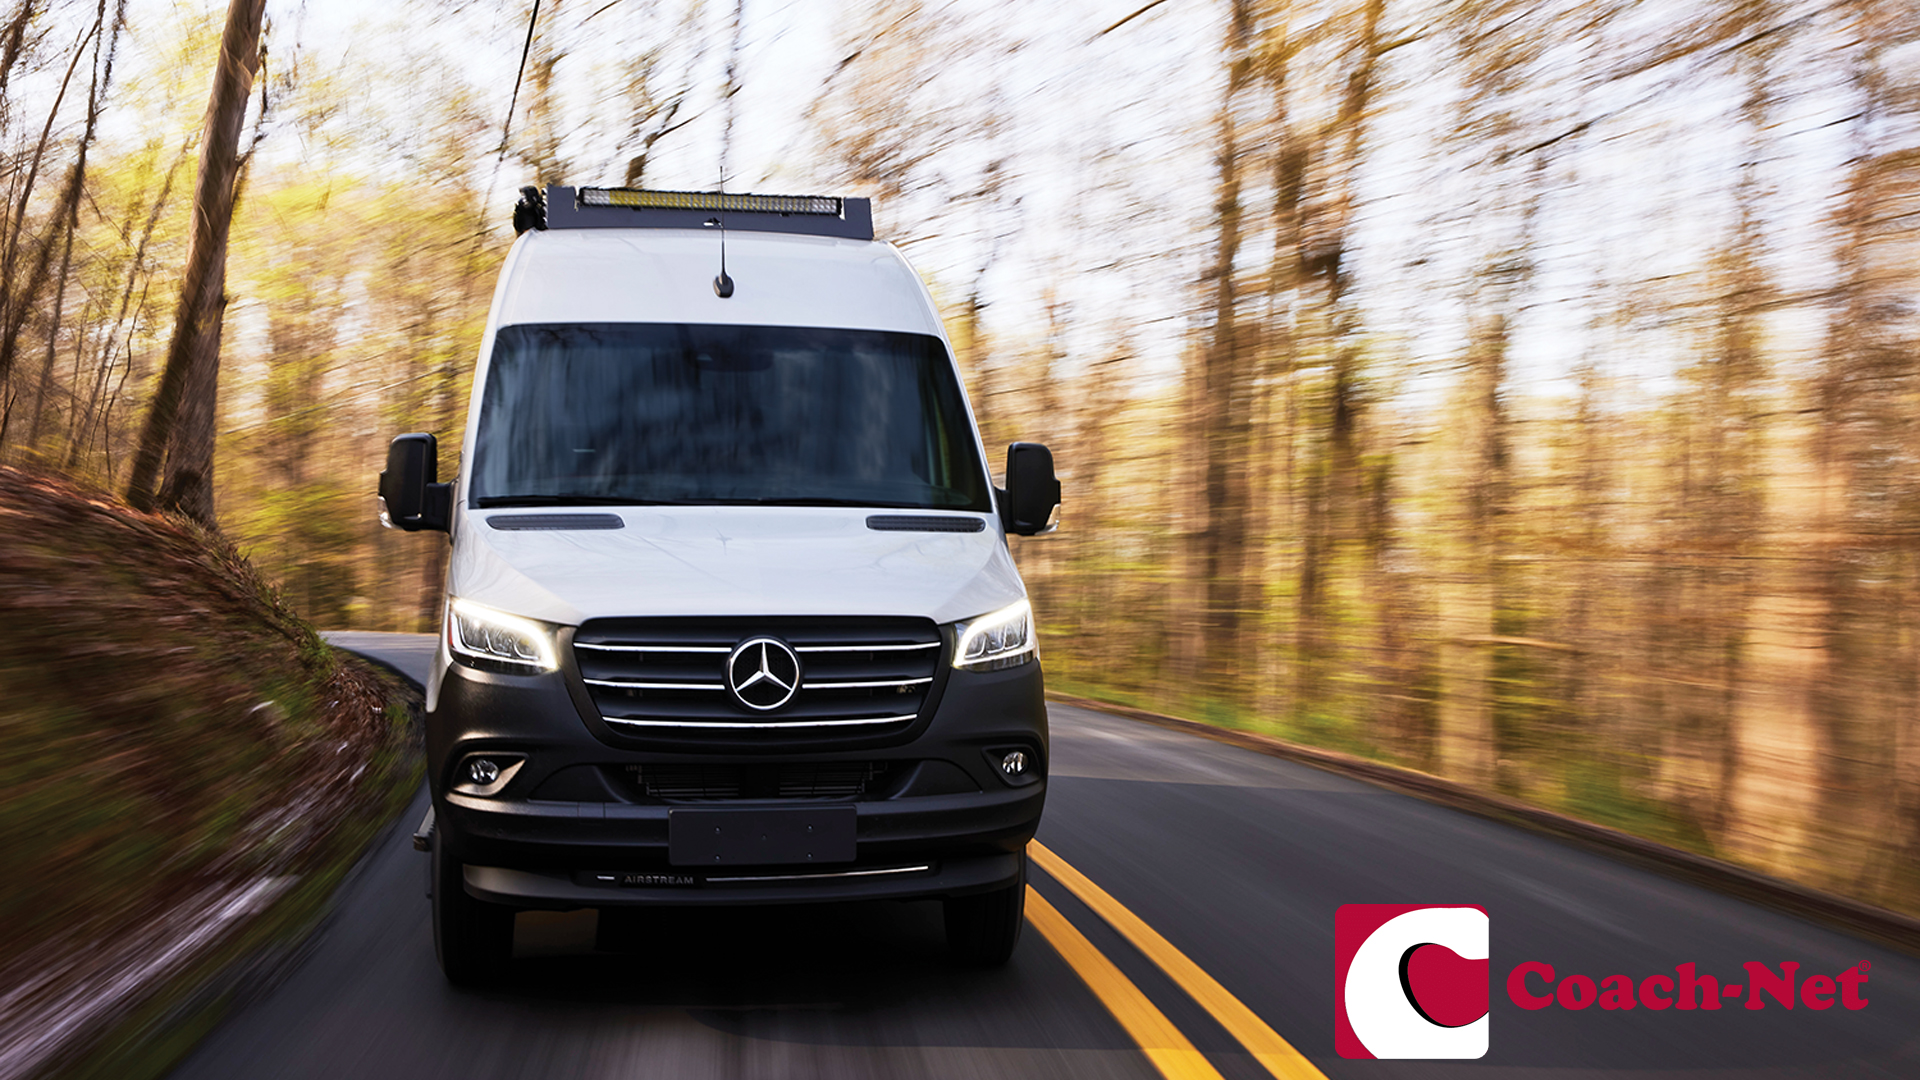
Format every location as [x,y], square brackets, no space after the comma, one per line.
[1169,1050]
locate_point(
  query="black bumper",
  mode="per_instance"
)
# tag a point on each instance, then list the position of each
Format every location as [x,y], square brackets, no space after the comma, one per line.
[563,832]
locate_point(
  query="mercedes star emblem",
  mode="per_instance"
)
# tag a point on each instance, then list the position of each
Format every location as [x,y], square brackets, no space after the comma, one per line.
[763,673]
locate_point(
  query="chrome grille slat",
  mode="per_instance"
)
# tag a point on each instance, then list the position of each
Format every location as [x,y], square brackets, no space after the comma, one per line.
[866,648]
[626,685]
[722,649]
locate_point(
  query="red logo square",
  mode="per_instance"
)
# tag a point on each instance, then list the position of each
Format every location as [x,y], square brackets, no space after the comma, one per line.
[1410,981]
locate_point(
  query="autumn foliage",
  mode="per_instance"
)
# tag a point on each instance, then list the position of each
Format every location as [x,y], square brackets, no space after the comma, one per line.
[1521,392]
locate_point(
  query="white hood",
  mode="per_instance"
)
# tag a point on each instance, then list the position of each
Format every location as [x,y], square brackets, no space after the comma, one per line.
[730,560]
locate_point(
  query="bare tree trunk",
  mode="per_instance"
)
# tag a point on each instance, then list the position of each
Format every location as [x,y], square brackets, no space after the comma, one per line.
[1775,781]
[1277,409]
[13,39]
[655,99]
[544,113]
[84,429]
[1831,701]
[1736,431]
[1496,50]
[1469,595]
[69,212]
[17,304]
[15,36]
[180,426]
[1365,493]
[1219,403]
[53,332]
[1332,487]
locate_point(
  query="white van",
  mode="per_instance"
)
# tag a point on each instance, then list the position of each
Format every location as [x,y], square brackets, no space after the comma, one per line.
[730,613]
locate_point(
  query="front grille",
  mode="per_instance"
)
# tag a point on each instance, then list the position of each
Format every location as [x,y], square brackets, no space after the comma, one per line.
[656,675]
[783,780]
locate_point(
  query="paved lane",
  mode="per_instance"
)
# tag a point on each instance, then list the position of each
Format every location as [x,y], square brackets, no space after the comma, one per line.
[1238,860]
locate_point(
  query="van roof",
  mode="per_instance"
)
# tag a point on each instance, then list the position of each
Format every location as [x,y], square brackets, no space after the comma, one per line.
[660,275]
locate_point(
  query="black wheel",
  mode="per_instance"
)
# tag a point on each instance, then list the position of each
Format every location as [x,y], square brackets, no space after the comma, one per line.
[982,929]
[472,939]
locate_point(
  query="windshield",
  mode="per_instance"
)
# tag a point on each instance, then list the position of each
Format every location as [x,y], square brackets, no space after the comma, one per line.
[647,413]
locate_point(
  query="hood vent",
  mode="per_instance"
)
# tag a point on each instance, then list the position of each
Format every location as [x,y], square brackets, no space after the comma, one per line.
[513,522]
[924,523]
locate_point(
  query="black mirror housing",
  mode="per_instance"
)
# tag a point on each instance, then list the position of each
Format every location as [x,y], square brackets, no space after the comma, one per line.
[1033,492]
[411,498]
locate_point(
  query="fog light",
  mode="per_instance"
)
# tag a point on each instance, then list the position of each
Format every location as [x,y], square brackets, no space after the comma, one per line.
[1015,763]
[483,771]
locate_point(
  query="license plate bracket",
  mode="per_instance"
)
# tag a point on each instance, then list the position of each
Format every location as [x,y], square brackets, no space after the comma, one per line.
[761,836]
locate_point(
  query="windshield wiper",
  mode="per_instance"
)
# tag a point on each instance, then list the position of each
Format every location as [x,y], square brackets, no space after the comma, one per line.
[491,501]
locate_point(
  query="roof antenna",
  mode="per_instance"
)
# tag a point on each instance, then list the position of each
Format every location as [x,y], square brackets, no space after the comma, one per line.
[722,285]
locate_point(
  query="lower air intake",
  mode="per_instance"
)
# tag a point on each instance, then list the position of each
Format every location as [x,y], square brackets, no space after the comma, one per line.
[797,780]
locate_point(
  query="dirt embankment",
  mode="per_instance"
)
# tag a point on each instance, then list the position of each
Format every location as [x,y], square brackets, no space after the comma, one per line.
[189,770]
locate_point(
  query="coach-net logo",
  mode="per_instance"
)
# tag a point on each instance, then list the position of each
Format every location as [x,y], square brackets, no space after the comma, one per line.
[1411,981]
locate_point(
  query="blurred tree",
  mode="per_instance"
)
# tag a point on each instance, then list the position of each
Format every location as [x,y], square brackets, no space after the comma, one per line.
[1855,721]
[659,82]
[91,434]
[1726,428]
[920,137]
[1220,388]
[68,220]
[1337,510]
[1497,43]
[20,298]
[541,136]
[13,39]
[180,425]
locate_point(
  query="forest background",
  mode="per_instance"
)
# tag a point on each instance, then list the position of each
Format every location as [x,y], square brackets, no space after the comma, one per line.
[1522,392]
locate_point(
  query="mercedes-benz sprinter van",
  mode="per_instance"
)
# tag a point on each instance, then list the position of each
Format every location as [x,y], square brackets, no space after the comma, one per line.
[730,613]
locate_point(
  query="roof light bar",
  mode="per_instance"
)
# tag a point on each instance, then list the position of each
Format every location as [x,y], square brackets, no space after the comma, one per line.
[710,201]
[631,208]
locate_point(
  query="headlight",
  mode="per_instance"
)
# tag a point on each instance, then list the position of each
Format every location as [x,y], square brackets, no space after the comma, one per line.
[485,637]
[1002,639]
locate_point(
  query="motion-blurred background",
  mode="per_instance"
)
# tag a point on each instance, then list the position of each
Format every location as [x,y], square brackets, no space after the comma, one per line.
[1520,391]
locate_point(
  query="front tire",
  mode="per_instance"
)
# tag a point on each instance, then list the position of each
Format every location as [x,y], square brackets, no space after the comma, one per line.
[982,929]
[472,939]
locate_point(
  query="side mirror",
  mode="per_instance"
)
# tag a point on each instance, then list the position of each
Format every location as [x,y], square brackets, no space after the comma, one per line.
[410,497]
[1033,493]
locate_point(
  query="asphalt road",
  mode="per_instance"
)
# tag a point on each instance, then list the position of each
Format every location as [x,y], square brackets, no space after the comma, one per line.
[1238,860]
